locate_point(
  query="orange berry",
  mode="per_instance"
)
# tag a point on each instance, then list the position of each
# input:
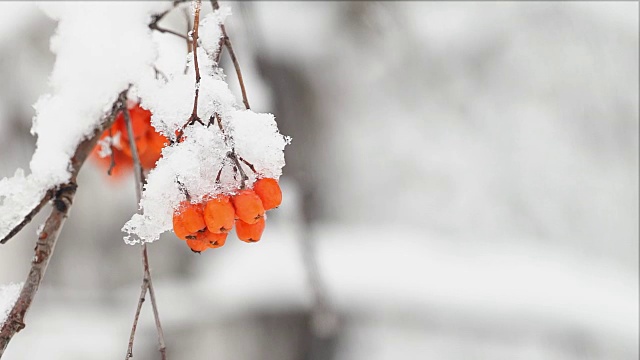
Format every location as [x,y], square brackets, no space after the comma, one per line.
[140,122]
[197,245]
[123,163]
[250,232]
[153,152]
[248,206]
[219,215]
[179,229]
[190,216]
[269,192]
[141,146]
[213,240]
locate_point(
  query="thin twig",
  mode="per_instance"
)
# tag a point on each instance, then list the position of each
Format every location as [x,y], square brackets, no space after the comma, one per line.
[250,165]
[63,199]
[147,283]
[232,154]
[112,156]
[227,43]
[137,169]
[154,305]
[168,31]
[194,42]
[155,19]
[143,293]
[27,219]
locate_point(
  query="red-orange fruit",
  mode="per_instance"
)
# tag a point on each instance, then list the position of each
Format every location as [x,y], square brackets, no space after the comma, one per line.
[153,152]
[123,163]
[219,215]
[140,122]
[269,192]
[248,206]
[250,232]
[190,216]
[197,245]
[213,240]
[180,230]
[141,146]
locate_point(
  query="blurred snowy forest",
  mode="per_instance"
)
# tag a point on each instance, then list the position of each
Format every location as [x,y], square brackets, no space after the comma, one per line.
[465,175]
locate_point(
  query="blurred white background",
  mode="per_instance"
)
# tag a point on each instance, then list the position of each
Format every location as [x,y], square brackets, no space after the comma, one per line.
[465,176]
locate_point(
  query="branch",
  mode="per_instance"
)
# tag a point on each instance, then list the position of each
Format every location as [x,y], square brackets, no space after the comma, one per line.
[146,279]
[62,200]
[227,43]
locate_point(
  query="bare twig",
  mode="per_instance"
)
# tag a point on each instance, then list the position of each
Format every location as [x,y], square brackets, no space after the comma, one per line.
[227,43]
[154,305]
[27,219]
[143,293]
[62,201]
[168,31]
[155,19]
[112,156]
[250,165]
[147,284]
[194,42]
[134,149]
[232,155]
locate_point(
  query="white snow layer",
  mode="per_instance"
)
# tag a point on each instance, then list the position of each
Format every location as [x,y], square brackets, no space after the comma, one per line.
[191,166]
[8,296]
[101,49]
[195,162]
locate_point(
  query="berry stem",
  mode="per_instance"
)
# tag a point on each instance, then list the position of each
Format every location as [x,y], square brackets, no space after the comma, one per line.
[194,42]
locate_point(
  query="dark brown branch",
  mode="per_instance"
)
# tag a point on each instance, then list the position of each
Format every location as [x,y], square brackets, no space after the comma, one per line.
[62,201]
[227,43]
[147,284]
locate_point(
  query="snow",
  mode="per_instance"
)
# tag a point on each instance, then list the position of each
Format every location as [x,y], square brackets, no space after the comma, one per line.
[100,49]
[209,32]
[103,48]
[193,164]
[8,296]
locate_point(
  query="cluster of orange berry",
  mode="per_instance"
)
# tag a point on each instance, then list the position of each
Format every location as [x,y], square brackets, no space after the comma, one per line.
[206,225]
[149,143]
